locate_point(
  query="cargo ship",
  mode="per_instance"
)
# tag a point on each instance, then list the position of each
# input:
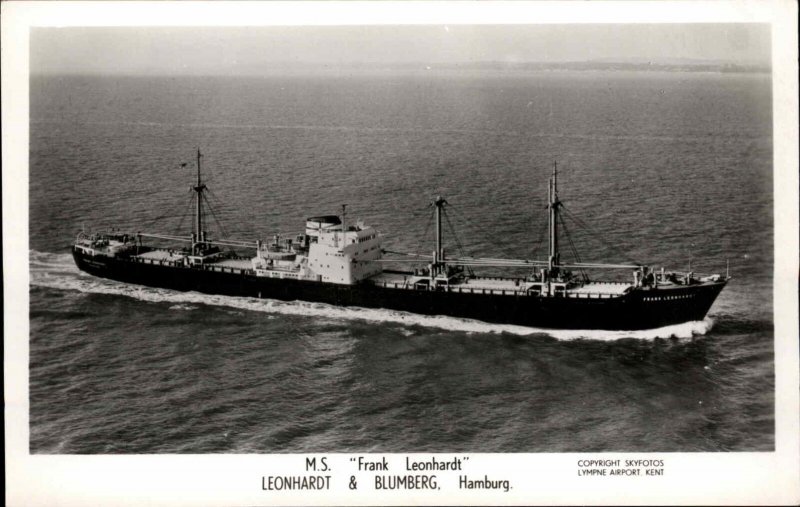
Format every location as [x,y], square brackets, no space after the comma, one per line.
[340,263]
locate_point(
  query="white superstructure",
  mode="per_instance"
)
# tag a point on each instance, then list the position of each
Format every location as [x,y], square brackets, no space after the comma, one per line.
[325,253]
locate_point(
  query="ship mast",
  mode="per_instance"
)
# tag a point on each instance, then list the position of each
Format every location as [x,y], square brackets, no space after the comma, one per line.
[200,234]
[553,203]
[344,226]
[438,254]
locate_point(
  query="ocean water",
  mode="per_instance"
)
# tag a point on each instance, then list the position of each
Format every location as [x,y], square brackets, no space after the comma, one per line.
[672,169]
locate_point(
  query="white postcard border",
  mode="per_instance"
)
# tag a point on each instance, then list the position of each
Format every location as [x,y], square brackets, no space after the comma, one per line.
[542,478]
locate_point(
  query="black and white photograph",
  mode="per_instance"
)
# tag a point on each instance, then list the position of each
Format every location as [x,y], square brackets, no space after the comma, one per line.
[400,247]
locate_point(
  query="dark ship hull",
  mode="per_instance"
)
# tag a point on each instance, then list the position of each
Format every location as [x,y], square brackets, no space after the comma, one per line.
[642,308]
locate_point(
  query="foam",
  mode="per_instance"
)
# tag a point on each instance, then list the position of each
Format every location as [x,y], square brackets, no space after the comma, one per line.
[57,271]
[183,307]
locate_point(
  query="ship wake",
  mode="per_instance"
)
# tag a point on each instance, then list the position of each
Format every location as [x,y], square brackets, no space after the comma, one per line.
[57,271]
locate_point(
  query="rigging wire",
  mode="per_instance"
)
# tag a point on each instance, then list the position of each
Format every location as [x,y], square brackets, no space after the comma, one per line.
[483,232]
[170,213]
[572,247]
[222,230]
[214,200]
[539,238]
[185,214]
[219,224]
[455,236]
[466,222]
[427,228]
[597,237]
[214,196]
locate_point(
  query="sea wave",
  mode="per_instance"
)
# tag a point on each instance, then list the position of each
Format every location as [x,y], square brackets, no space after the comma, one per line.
[57,271]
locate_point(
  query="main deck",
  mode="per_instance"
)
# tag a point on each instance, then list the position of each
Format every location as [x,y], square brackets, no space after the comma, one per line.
[174,258]
[406,280]
[501,285]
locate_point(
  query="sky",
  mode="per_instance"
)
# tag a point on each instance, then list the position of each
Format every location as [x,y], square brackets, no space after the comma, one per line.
[251,50]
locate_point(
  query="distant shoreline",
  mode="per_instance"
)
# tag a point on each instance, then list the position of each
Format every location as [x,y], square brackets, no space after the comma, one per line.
[582,66]
[335,72]
[620,66]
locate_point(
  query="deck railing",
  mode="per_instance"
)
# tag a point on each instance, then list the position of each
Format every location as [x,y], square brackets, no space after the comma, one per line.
[503,292]
[403,286]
